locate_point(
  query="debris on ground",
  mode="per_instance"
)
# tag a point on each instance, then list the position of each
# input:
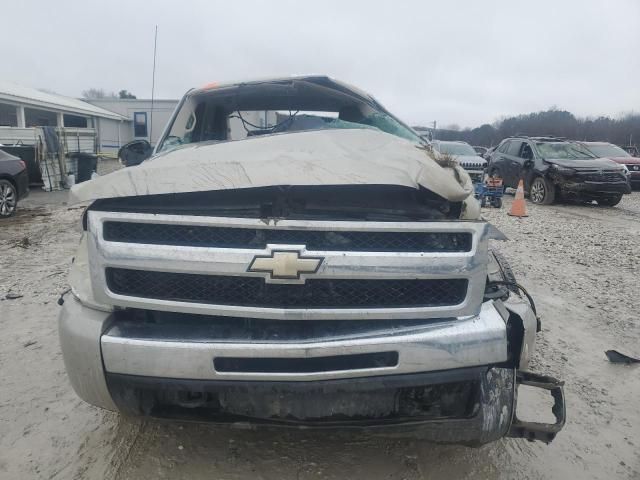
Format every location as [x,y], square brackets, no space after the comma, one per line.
[24,242]
[616,357]
[12,296]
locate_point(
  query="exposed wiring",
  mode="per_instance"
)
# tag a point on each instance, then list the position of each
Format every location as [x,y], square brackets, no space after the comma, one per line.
[270,129]
[519,287]
[264,129]
[499,292]
[61,299]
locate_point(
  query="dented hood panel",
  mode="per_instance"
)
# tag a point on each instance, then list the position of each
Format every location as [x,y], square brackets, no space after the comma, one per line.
[322,157]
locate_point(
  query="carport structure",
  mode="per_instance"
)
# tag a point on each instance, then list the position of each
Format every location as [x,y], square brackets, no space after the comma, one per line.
[22,109]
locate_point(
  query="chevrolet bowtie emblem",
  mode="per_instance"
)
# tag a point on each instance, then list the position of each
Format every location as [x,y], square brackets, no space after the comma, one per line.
[285,264]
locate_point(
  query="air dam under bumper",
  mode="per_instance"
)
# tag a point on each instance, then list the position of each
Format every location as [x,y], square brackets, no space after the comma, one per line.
[470,406]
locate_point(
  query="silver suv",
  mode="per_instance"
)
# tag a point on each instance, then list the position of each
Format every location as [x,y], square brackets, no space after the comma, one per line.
[291,255]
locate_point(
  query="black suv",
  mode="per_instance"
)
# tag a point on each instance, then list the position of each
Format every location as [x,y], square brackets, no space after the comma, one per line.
[553,167]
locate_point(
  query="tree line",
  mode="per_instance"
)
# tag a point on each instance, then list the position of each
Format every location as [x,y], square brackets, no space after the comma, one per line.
[624,130]
[98,93]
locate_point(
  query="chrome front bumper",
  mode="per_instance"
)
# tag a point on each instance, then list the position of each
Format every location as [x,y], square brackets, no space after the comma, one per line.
[91,348]
[437,345]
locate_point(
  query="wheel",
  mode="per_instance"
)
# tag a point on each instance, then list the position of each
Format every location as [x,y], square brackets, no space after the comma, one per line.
[8,198]
[542,192]
[611,201]
[496,202]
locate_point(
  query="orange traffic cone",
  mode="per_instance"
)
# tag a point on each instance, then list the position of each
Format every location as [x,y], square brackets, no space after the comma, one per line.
[519,207]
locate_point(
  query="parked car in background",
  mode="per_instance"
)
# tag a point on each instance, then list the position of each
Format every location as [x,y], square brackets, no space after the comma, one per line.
[14,183]
[464,154]
[481,151]
[618,155]
[553,167]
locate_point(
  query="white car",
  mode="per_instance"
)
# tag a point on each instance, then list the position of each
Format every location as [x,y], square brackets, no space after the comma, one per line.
[464,154]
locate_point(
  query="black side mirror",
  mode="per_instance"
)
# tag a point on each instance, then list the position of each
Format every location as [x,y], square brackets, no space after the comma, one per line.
[135,152]
[528,163]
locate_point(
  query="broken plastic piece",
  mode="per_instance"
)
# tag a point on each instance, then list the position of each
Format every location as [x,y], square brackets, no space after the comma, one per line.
[496,234]
[545,432]
[616,357]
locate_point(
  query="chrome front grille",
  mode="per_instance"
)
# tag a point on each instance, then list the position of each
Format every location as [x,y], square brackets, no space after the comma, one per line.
[473,165]
[368,270]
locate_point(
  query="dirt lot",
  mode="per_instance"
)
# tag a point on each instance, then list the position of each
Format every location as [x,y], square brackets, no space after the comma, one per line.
[581,263]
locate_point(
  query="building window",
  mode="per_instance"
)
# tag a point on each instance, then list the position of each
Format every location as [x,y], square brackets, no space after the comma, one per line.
[8,116]
[140,124]
[40,118]
[75,121]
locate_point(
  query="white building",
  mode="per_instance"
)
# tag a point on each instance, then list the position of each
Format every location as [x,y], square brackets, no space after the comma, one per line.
[142,123]
[99,126]
[23,108]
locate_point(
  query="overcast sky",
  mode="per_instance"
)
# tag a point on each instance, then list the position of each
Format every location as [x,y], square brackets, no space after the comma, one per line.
[462,62]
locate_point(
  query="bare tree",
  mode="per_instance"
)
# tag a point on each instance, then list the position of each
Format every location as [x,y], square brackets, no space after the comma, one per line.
[622,130]
[126,94]
[95,93]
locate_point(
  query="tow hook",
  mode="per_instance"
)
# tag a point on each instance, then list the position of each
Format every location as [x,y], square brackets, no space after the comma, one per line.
[544,432]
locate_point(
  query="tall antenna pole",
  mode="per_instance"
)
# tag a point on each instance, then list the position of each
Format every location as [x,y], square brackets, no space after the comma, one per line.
[153,84]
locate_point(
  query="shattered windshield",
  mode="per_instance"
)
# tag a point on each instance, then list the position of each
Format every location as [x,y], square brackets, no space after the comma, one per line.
[607,150]
[240,112]
[566,150]
[456,149]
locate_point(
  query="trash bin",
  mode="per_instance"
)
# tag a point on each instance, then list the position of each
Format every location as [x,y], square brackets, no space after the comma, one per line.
[87,164]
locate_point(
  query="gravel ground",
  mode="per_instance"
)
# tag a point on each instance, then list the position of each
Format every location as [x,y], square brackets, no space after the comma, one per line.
[581,263]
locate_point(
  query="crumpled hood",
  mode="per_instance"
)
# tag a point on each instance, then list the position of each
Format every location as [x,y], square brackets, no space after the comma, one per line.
[321,157]
[593,163]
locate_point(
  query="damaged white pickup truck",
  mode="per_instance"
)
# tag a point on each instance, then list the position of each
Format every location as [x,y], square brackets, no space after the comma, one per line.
[292,255]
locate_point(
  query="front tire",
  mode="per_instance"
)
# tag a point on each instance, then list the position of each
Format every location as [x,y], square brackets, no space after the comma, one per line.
[8,199]
[542,191]
[610,201]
